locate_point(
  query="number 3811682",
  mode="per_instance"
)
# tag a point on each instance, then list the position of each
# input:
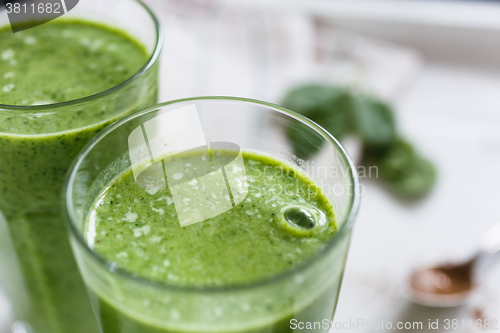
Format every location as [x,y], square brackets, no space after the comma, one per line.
[41,8]
[485,324]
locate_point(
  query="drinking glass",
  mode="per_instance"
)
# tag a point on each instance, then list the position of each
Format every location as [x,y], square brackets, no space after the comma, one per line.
[37,267]
[127,303]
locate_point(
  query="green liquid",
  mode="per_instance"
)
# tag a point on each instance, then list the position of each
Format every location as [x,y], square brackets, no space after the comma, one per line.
[139,229]
[63,61]
[55,62]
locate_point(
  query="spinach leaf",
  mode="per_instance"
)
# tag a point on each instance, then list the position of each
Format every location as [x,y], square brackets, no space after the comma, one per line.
[374,122]
[342,112]
[405,172]
[327,106]
[310,99]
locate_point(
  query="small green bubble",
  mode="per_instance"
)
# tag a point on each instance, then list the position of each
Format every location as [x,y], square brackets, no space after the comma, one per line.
[300,217]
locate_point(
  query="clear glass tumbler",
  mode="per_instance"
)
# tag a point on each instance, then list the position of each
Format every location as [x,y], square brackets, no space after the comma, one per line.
[126,303]
[37,267]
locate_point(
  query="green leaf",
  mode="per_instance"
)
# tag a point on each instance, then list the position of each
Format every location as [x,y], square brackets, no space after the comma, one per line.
[328,106]
[305,142]
[310,99]
[405,172]
[374,122]
[341,112]
[336,123]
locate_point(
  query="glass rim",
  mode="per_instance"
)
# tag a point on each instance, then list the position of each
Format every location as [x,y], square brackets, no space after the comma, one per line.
[153,58]
[110,266]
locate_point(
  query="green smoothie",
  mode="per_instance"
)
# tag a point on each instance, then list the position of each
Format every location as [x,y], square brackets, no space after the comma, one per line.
[56,62]
[283,220]
[63,61]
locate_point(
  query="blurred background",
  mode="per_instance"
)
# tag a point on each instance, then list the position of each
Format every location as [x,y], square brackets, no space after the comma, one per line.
[436,63]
